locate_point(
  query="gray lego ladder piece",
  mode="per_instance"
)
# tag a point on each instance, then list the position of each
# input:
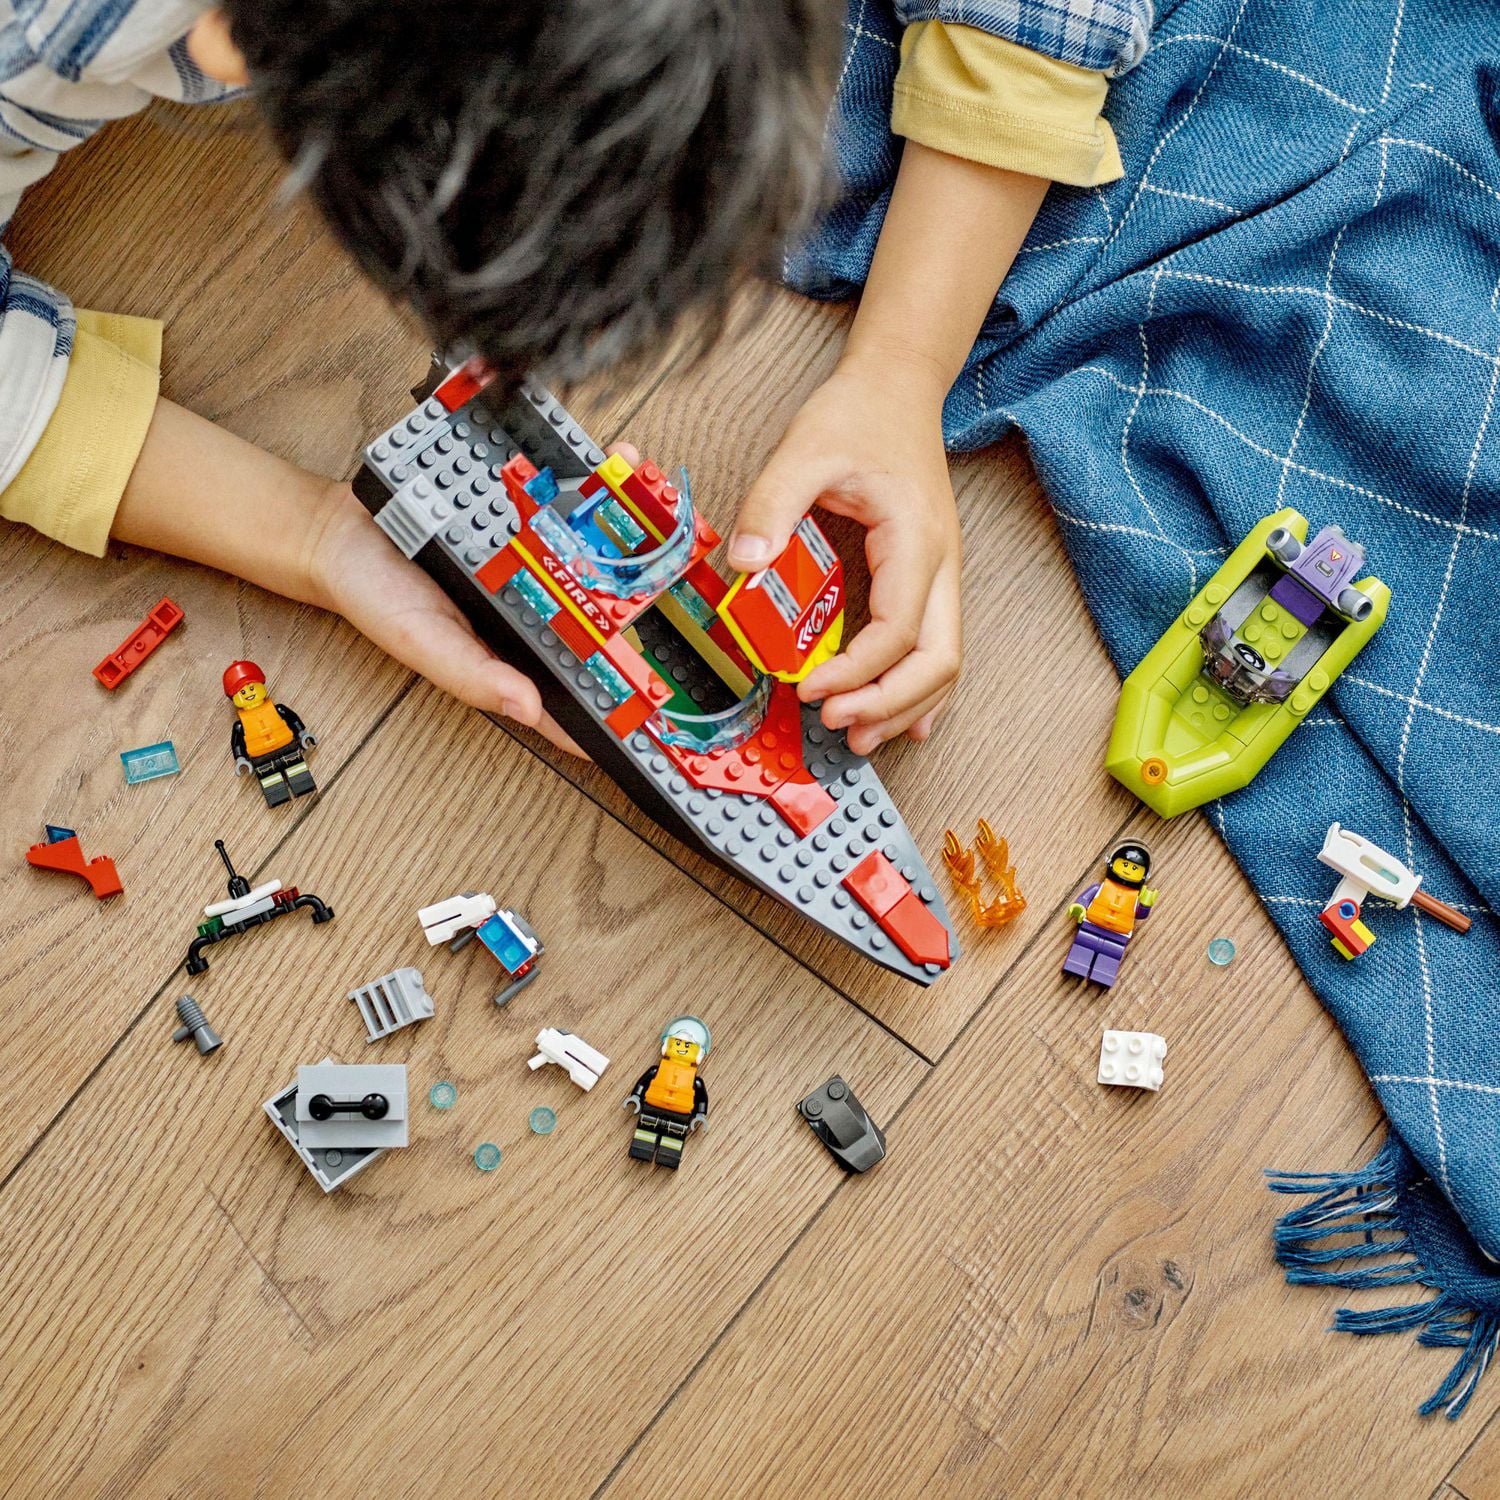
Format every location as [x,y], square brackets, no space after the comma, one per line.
[468,518]
[394,1000]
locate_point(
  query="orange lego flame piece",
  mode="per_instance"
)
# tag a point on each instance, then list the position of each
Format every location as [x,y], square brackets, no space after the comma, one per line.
[994,853]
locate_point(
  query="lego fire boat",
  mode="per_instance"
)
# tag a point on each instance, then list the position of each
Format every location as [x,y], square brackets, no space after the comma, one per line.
[591,577]
[1244,663]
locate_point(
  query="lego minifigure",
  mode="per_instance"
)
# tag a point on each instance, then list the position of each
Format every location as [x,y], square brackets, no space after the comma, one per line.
[669,1097]
[1106,914]
[268,738]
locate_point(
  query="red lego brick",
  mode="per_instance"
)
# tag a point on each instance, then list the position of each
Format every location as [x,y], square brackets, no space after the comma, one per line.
[66,856]
[515,476]
[916,932]
[802,802]
[772,755]
[624,719]
[877,885]
[139,644]
[500,569]
[463,384]
[635,669]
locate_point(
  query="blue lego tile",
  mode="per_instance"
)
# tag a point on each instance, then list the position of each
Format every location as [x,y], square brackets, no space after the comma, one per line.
[505,942]
[149,762]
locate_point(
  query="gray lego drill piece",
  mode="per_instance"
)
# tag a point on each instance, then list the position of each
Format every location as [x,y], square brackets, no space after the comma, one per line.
[444,474]
[331,1166]
[394,1000]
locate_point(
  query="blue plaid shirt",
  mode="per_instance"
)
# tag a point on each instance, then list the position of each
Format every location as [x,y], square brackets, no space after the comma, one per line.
[1109,35]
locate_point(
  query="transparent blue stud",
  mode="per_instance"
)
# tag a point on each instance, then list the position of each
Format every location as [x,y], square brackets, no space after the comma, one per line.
[543,1121]
[487,1157]
[442,1096]
[1221,952]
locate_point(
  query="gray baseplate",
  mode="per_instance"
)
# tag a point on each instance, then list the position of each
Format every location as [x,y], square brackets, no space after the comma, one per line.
[432,482]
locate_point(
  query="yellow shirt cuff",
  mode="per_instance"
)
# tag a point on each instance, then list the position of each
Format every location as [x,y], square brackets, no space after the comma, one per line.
[968,93]
[71,484]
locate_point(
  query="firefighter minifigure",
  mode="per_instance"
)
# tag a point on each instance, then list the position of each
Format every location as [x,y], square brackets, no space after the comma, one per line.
[1106,914]
[268,738]
[669,1096]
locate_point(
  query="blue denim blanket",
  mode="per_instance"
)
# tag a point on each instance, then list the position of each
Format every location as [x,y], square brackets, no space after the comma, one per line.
[1291,299]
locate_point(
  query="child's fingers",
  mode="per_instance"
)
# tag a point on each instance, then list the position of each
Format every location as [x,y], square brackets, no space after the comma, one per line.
[782,494]
[915,613]
[865,739]
[451,657]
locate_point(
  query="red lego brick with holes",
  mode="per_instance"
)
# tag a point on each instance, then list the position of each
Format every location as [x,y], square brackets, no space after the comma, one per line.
[876,884]
[463,384]
[916,932]
[767,759]
[66,857]
[164,618]
[802,802]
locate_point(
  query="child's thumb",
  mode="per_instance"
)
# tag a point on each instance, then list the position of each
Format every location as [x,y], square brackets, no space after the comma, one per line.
[777,501]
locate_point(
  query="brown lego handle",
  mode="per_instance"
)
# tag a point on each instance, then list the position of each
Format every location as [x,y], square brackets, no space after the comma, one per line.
[1440,911]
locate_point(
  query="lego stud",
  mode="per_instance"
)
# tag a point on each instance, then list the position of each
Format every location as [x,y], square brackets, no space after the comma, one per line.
[195,1025]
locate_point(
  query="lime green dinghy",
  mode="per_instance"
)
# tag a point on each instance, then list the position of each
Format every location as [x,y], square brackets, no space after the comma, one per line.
[1243,664]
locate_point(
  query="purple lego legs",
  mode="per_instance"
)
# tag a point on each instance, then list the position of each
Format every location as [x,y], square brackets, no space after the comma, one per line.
[1096,954]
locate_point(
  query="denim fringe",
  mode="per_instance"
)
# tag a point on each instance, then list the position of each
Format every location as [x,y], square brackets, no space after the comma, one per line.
[1363,1202]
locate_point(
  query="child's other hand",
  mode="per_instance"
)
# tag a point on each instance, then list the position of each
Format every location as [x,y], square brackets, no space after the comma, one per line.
[868,444]
[358,573]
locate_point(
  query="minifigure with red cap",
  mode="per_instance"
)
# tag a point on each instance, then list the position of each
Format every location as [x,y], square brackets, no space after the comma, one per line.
[268,738]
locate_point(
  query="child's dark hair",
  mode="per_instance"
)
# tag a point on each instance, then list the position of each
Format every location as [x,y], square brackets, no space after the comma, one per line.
[549,183]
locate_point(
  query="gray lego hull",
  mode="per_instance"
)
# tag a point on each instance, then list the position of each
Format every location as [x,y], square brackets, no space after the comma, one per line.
[431,482]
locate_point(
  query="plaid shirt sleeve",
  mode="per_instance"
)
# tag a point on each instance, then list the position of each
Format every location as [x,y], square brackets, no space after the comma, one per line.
[1106,35]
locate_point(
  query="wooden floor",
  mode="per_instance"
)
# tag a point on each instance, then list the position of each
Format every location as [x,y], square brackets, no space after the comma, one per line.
[1049,1289]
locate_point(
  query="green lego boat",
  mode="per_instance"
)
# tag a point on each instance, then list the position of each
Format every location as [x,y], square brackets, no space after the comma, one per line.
[1243,664]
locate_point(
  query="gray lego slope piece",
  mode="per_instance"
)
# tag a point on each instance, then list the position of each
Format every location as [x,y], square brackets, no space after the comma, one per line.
[443,473]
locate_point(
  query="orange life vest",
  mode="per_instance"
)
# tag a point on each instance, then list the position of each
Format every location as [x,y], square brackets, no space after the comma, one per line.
[672,1088]
[1114,907]
[265,729]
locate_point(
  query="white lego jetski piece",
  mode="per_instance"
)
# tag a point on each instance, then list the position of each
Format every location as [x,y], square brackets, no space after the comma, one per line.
[582,1063]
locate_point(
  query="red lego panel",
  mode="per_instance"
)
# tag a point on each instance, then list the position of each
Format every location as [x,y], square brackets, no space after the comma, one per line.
[802,802]
[917,932]
[139,644]
[876,884]
[635,669]
[66,856]
[463,384]
[785,611]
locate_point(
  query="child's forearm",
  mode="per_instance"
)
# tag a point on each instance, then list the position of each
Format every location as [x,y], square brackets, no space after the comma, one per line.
[950,235]
[200,492]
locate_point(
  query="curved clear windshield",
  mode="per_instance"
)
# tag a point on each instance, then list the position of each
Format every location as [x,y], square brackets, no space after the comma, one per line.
[622,577]
[707,733]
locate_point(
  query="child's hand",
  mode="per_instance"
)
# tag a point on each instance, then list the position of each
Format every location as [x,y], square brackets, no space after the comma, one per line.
[357,572]
[869,444]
